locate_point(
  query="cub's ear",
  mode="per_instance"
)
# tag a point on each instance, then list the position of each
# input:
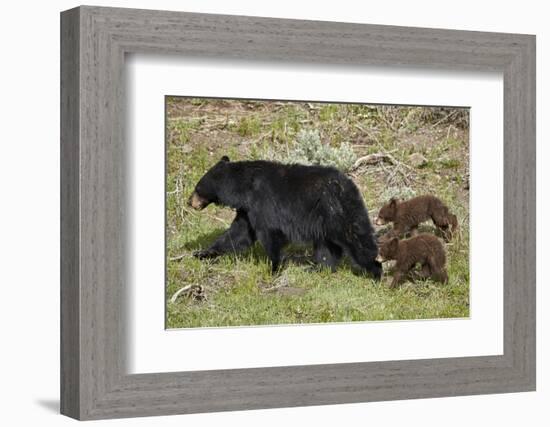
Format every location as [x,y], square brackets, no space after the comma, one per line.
[393,202]
[393,244]
[224,159]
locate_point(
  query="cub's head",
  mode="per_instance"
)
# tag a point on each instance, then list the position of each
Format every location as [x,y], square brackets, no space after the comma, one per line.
[388,249]
[207,189]
[387,213]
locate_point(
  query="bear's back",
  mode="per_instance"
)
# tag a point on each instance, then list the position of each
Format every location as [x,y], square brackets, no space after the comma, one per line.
[301,200]
[292,177]
[422,246]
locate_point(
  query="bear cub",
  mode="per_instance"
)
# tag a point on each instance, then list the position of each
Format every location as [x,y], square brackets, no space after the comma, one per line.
[407,215]
[424,249]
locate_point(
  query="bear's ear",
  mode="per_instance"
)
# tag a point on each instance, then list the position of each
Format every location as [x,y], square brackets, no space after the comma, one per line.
[224,159]
[393,202]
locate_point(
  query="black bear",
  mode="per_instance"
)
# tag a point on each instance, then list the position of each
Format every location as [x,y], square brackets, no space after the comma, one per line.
[423,249]
[278,204]
[407,215]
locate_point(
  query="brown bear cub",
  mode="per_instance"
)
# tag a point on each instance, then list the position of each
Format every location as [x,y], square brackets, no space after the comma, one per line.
[407,215]
[424,249]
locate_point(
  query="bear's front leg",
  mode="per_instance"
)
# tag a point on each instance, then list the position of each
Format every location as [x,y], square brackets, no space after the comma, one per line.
[273,242]
[327,254]
[398,230]
[396,280]
[238,237]
[206,253]
[446,233]
[426,270]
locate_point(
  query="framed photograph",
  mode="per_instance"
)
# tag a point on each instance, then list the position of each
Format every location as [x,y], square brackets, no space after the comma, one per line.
[261,213]
[413,166]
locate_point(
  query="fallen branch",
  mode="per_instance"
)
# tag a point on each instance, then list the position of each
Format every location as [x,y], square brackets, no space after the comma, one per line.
[384,158]
[280,282]
[361,128]
[373,159]
[195,291]
[179,292]
[445,119]
[177,258]
[177,190]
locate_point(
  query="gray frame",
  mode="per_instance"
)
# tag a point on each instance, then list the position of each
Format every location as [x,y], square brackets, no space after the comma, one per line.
[94,383]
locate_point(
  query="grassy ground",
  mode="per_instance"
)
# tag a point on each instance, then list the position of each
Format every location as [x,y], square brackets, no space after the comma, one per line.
[425,151]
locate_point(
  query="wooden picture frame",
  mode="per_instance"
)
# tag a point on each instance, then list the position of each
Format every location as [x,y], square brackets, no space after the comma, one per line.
[94,382]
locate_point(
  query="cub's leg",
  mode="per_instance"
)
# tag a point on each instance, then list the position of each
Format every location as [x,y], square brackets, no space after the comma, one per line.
[424,273]
[402,270]
[445,221]
[396,281]
[440,276]
[439,273]
[400,229]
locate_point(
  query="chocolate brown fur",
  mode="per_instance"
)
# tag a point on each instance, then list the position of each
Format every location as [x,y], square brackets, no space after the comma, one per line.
[424,249]
[407,215]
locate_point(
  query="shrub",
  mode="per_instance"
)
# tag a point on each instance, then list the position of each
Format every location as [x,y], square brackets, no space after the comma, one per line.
[309,150]
[403,193]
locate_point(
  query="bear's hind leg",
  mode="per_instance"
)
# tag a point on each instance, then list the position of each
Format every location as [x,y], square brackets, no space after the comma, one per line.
[450,230]
[443,220]
[439,274]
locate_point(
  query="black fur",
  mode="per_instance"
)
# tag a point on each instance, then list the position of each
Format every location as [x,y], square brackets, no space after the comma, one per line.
[278,204]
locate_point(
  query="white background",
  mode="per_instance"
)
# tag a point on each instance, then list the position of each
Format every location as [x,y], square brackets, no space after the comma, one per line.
[29,218]
[152,349]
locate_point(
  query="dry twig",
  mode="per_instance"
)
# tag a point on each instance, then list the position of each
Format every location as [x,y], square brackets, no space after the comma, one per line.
[195,291]
[177,258]
[179,292]
[373,159]
[280,282]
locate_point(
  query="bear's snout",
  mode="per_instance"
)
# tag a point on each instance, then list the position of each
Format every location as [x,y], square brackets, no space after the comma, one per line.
[379,221]
[197,202]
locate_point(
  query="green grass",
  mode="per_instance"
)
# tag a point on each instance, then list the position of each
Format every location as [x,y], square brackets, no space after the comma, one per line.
[316,297]
[248,126]
[240,289]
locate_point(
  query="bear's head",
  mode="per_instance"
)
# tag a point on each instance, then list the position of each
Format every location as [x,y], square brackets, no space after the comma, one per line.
[207,189]
[377,269]
[388,249]
[387,213]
